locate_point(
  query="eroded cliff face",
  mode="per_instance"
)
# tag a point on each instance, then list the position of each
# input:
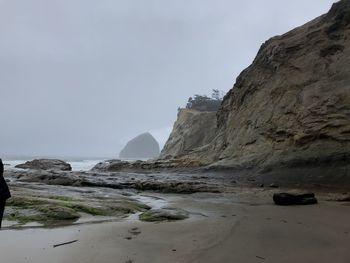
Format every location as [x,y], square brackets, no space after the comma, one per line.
[192,130]
[291,106]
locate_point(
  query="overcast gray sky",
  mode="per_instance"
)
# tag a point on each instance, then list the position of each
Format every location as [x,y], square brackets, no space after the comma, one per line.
[82,77]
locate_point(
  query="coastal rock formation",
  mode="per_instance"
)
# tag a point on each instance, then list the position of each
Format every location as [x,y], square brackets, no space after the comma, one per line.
[170,182]
[143,146]
[291,106]
[46,164]
[119,165]
[111,166]
[192,129]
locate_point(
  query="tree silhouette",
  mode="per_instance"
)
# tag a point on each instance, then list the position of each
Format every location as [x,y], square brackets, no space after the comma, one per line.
[205,103]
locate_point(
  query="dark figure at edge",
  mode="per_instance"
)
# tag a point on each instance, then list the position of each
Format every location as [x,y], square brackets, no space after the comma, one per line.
[4,191]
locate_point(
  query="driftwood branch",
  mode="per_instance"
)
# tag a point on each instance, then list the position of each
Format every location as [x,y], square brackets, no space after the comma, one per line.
[65,243]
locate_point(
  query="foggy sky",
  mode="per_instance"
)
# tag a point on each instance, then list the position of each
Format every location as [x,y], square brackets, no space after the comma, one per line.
[82,77]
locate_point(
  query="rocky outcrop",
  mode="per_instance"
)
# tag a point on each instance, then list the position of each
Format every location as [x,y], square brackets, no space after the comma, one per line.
[166,182]
[111,166]
[193,129]
[143,146]
[119,165]
[46,164]
[291,106]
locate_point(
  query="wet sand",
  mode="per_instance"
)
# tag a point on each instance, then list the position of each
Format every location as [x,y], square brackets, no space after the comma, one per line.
[241,227]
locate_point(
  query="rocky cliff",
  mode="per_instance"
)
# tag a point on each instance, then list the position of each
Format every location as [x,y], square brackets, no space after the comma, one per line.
[192,130]
[291,106]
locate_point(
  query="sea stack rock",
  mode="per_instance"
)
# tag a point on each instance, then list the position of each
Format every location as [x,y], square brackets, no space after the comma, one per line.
[46,164]
[143,146]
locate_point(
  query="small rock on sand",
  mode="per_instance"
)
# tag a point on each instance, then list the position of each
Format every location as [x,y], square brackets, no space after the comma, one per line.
[164,214]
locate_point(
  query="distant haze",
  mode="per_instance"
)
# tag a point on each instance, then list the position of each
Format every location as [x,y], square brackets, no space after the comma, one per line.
[82,77]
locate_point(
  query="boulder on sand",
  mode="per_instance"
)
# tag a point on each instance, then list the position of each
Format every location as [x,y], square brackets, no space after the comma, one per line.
[46,164]
[294,199]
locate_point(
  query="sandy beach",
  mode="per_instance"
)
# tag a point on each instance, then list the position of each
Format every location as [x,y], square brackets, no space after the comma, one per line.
[241,227]
[150,132]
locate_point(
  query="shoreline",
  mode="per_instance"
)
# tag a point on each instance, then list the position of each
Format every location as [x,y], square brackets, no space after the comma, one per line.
[240,227]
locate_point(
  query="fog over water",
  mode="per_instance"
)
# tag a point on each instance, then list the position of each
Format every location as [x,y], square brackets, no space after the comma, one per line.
[82,77]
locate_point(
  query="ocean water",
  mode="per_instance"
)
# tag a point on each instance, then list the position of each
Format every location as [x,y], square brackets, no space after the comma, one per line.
[77,165]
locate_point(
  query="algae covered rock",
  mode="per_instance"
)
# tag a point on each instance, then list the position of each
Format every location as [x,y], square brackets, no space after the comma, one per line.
[164,214]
